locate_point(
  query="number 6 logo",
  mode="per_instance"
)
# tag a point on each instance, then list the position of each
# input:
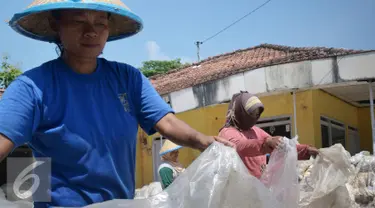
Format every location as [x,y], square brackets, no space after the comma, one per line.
[22,177]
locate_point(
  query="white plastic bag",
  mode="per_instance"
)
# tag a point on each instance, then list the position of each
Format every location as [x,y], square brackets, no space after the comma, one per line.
[281,174]
[362,184]
[13,204]
[216,179]
[326,186]
[149,190]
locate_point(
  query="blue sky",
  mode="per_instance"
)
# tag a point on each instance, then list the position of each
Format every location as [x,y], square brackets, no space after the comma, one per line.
[172,27]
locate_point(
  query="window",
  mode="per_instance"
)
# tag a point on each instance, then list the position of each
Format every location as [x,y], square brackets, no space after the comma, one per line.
[354,141]
[333,132]
[276,126]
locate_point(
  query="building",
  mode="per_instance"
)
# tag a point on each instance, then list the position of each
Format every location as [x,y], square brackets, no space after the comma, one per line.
[320,94]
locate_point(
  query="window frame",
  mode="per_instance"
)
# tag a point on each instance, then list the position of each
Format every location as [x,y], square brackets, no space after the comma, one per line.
[276,121]
[332,123]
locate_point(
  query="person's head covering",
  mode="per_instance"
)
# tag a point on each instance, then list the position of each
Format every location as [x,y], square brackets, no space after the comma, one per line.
[166,156]
[168,147]
[34,21]
[240,109]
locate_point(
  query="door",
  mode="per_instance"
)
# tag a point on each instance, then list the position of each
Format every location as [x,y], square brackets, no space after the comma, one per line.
[354,141]
[157,143]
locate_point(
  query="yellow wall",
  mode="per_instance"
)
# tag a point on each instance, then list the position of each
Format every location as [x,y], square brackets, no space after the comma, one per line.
[310,105]
[334,108]
[364,125]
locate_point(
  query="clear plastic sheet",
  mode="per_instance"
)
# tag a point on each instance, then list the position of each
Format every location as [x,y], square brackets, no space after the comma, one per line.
[149,190]
[281,175]
[216,179]
[326,185]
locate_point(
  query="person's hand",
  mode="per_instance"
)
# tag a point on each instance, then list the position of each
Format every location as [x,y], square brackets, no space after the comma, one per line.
[313,151]
[271,143]
[224,141]
[206,141]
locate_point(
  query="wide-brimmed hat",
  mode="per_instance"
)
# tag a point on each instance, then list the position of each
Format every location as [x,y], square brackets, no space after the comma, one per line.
[34,21]
[168,146]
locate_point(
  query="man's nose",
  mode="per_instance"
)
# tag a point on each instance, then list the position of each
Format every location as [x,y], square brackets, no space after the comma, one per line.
[89,31]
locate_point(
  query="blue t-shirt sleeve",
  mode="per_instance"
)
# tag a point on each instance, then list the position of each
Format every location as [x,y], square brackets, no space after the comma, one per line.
[19,111]
[150,105]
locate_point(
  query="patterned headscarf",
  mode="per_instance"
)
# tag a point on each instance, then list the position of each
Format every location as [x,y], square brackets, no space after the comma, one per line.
[243,110]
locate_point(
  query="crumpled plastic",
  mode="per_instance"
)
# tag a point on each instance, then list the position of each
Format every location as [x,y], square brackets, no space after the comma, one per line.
[326,185]
[362,184]
[304,168]
[281,175]
[216,179]
[149,190]
[13,204]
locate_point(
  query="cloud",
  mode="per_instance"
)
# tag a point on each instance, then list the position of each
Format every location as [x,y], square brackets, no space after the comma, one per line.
[154,52]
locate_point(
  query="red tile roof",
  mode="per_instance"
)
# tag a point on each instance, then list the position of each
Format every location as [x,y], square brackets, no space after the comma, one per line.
[224,65]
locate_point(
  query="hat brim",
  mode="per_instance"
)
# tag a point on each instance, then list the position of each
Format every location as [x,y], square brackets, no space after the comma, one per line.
[34,21]
[170,150]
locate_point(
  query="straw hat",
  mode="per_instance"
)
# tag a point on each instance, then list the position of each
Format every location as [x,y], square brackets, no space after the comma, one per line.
[34,21]
[168,146]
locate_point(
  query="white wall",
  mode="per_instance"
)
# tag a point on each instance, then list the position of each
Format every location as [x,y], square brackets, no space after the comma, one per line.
[299,75]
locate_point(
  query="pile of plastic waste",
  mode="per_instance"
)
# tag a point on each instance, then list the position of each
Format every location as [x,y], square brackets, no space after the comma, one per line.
[354,178]
[362,183]
[323,181]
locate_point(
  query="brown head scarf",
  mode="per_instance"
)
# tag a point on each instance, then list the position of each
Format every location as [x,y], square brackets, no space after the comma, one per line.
[243,110]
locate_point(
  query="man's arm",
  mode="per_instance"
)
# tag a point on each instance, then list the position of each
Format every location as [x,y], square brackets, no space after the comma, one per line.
[20,114]
[182,134]
[6,147]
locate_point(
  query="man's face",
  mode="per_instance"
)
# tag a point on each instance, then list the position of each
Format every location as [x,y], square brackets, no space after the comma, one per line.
[83,33]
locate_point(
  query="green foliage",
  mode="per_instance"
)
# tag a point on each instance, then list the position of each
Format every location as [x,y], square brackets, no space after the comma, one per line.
[8,72]
[154,67]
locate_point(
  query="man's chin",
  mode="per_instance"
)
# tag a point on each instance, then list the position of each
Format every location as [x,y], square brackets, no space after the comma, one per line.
[89,54]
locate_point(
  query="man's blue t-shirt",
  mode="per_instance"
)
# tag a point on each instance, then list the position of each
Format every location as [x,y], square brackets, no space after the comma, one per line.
[86,123]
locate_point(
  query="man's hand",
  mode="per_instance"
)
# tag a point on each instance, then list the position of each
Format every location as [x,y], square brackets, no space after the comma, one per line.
[6,147]
[182,134]
[225,142]
[206,141]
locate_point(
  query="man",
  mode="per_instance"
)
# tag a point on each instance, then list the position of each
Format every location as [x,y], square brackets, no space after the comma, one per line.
[83,111]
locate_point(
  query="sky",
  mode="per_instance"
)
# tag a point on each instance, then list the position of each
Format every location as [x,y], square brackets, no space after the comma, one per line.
[172,27]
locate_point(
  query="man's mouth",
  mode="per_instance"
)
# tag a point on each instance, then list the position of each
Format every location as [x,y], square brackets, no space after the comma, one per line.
[90,45]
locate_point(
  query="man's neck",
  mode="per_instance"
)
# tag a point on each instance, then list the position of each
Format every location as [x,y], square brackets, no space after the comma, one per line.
[80,65]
